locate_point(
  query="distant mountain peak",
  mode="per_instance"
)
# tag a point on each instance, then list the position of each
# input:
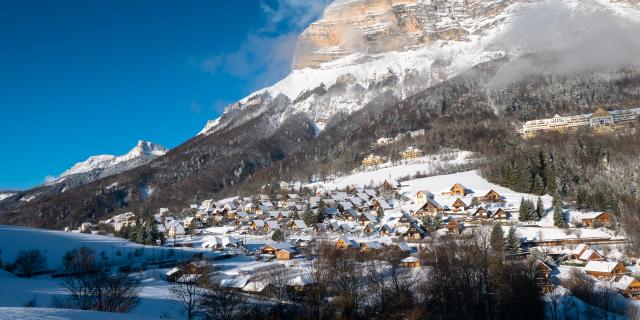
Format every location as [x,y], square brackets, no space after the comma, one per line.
[143,149]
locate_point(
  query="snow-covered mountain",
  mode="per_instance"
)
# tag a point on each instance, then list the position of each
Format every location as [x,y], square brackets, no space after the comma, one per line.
[143,152]
[367,53]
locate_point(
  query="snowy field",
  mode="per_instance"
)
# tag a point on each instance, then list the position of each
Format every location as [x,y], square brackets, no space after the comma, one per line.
[54,244]
[155,299]
[13,313]
[424,165]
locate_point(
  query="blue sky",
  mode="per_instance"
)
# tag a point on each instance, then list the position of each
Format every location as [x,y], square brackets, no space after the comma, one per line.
[79,78]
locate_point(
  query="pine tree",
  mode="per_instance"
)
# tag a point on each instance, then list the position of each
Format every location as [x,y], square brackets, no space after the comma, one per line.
[497,238]
[309,218]
[139,234]
[558,216]
[525,213]
[475,202]
[540,208]
[538,185]
[322,212]
[512,244]
[152,233]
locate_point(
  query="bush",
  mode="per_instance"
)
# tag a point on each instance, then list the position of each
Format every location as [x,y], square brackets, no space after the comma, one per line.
[30,262]
[91,287]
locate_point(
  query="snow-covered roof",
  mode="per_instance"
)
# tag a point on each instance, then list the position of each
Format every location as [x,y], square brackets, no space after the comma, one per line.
[300,224]
[410,259]
[235,282]
[601,266]
[624,282]
[173,271]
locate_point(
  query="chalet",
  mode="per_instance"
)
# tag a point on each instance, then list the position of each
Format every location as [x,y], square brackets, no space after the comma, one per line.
[390,184]
[429,208]
[628,286]
[344,228]
[298,225]
[454,226]
[458,205]
[415,232]
[491,196]
[271,225]
[333,226]
[543,276]
[249,207]
[257,224]
[285,254]
[604,269]
[339,196]
[410,262]
[421,197]
[371,245]
[263,197]
[372,160]
[193,222]
[356,202]
[220,242]
[176,230]
[229,206]
[367,218]
[386,230]
[405,220]
[345,205]
[371,193]
[457,190]
[380,203]
[411,153]
[272,248]
[351,214]
[320,227]
[500,214]
[174,274]
[584,253]
[292,197]
[405,247]
[481,213]
[197,267]
[363,196]
[604,219]
[345,243]
[369,229]
[331,212]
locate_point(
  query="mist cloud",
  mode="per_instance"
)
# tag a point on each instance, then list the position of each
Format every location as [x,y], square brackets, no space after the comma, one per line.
[568,40]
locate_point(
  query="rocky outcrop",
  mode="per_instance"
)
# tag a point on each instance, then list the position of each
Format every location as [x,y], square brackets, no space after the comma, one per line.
[375,26]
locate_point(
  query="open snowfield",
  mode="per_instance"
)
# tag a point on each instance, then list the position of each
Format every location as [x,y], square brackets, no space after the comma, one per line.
[425,165]
[14,313]
[55,244]
[155,299]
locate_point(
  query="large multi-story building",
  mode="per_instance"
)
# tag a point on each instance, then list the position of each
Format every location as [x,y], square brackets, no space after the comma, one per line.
[411,153]
[601,121]
[372,160]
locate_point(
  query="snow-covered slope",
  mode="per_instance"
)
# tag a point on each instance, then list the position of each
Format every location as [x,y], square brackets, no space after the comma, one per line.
[379,52]
[143,149]
[5,195]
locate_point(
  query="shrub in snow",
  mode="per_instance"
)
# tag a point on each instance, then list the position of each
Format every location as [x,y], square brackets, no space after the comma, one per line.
[30,262]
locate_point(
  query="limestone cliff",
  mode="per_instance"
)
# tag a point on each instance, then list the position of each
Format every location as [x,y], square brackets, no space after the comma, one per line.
[375,26]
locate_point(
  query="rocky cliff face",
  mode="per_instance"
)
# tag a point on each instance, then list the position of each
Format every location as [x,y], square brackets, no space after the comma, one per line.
[377,26]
